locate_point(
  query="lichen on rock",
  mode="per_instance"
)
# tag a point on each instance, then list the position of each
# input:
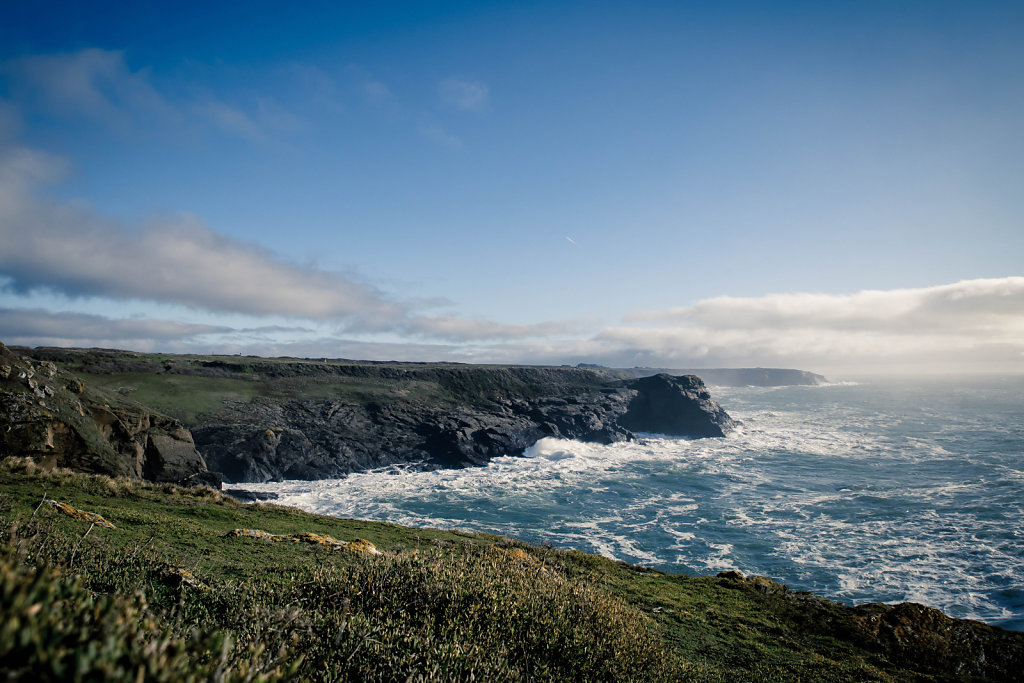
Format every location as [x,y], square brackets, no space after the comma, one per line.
[80,515]
[360,545]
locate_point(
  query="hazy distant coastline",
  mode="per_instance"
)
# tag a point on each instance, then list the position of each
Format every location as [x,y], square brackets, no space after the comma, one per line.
[731,377]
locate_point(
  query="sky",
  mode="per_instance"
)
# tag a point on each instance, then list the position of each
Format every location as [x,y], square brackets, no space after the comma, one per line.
[835,187]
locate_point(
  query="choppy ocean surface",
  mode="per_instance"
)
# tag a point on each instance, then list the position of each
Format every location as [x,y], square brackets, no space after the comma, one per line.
[875,491]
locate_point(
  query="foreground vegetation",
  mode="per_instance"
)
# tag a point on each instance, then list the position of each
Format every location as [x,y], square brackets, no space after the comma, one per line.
[170,594]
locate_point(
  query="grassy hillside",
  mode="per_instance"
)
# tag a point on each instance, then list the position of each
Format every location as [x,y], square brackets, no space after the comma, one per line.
[170,593]
[189,387]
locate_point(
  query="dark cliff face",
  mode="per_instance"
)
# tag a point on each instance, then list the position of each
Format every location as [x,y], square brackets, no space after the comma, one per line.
[678,406]
[56,419]
[312,440]
[256,419]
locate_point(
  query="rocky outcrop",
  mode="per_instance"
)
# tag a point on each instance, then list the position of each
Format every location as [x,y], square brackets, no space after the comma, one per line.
[678,406]
[314,419]
[53,417]
[305,439]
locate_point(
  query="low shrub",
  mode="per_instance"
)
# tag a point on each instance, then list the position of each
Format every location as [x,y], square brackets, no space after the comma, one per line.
[54,629]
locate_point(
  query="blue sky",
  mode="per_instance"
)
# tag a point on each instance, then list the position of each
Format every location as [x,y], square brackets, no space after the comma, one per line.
[835,186]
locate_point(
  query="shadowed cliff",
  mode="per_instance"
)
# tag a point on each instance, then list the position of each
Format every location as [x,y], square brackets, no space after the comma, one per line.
[256,419]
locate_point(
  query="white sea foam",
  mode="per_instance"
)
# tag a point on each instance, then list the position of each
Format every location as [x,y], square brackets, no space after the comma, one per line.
[853,495]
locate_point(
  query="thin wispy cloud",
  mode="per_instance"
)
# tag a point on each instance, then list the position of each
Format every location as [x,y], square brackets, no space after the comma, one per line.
[91,83]
[99,85]
[463,94]
[376,92]
[472,330]
[232,121]
[52,327]
[435,133]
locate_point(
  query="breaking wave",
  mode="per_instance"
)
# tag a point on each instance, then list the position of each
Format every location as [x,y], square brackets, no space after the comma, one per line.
[859,492]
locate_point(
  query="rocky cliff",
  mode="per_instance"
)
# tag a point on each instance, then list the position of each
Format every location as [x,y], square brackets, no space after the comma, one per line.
[257,419]
[312,439]
[55,418]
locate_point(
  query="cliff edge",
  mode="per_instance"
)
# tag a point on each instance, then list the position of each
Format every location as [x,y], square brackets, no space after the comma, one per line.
[261,419]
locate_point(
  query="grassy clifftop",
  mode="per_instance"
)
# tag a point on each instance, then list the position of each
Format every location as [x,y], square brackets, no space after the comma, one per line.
[171,592]
[189,387]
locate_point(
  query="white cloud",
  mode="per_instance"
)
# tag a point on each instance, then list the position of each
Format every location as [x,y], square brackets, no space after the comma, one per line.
[989,336]
[77,252]
[966,325]
[462,94]
[977,305]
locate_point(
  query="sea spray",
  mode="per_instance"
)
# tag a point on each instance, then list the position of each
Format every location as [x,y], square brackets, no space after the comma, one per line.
[860,492]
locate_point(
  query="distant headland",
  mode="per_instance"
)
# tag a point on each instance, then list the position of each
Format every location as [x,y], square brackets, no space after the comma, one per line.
[729,377]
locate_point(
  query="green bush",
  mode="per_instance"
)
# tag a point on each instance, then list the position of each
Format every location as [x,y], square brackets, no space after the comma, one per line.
[486,615]
[483,613]
[54,629]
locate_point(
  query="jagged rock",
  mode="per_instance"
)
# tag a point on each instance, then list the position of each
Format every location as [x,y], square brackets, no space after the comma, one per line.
[246,496]
[90,432]
[320,439]
[736,377]
[907,634]
[731,574]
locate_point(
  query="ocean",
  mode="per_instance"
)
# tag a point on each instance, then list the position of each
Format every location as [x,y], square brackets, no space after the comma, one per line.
[870,491]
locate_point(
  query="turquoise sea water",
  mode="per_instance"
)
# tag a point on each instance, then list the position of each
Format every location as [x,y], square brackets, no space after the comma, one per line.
[872,491]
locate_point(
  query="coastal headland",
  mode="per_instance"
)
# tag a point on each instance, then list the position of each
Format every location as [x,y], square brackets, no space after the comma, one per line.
[261,592]
[257,419]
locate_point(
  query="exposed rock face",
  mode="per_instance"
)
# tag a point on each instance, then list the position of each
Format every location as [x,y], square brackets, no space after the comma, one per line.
[51,416]
[306,419]
[675,405]
[320,439]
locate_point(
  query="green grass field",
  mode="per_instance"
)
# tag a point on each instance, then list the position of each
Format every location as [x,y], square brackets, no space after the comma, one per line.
[435,605]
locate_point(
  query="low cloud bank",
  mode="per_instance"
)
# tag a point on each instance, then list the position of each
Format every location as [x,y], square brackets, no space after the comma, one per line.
[969,326]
